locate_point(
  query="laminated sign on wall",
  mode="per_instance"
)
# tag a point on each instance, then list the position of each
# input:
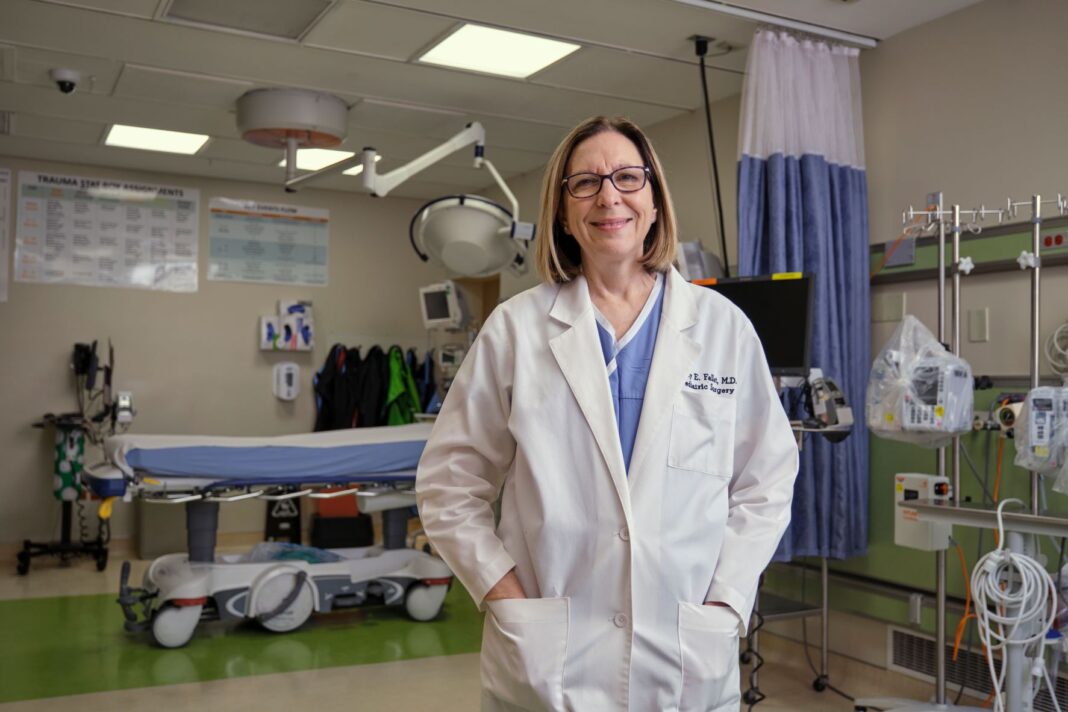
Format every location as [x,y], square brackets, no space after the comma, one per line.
[106,232]
[268,242]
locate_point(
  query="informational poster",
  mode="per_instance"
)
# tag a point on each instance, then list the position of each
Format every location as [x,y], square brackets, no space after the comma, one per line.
[106,232]
[5,247]
[268,242]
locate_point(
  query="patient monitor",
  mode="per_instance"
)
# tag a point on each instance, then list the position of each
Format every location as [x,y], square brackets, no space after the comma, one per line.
[443,306]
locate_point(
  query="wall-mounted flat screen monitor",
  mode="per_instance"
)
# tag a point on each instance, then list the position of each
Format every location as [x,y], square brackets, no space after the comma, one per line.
[780,307]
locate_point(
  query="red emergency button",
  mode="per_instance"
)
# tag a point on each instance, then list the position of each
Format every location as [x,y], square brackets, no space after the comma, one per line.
[941,489]
[1048,242]
[1058,240]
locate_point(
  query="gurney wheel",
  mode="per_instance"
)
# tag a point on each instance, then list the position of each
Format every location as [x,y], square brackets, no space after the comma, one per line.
[173,626]
[423,603]
[102,560]
[23,566]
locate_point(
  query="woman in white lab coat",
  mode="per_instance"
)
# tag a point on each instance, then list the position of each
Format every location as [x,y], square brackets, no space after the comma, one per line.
[628,423]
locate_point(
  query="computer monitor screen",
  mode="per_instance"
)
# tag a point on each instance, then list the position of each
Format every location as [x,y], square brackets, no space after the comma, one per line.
[781,312]
[437,305]
[442,306]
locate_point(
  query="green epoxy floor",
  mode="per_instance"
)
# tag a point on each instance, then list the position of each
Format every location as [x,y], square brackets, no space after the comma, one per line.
[76,644]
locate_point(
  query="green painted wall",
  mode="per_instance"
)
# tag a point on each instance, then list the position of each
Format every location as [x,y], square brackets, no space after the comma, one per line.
[980,248]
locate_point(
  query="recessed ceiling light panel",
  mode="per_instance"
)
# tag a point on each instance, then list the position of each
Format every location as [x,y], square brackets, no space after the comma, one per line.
[155,139]
[312,159]
[493,51]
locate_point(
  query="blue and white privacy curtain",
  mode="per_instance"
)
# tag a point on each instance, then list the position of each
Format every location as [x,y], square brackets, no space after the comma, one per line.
[803,207]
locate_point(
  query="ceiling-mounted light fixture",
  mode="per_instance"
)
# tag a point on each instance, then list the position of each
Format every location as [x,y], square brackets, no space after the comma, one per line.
[493,51]
[468,234]
[154,139]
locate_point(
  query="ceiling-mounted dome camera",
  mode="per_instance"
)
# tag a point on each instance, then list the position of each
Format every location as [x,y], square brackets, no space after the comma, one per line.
[66,79]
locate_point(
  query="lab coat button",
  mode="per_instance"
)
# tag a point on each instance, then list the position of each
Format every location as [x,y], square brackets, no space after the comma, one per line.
[620,620]
[624,534]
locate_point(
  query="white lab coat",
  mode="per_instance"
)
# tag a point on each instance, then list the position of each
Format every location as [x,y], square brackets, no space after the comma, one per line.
[616,567]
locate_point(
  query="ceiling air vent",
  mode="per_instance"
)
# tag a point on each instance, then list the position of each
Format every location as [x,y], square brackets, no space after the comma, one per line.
[287,19]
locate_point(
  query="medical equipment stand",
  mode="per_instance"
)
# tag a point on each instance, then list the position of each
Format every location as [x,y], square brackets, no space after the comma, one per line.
[938,214]
[771,608]
[1018,685]
[66,426]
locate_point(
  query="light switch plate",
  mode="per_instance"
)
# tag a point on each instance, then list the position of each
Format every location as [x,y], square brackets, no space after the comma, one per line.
[888,307]
[979,325]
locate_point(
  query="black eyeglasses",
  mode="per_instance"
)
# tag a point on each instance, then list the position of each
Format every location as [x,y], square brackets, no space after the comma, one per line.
[628,179]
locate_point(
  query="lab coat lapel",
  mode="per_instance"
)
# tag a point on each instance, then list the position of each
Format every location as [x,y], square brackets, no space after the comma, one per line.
[578,352]
[673,358]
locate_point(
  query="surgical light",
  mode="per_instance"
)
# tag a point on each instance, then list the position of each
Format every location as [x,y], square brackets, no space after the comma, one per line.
[468,234]
[154,139]
[493,51]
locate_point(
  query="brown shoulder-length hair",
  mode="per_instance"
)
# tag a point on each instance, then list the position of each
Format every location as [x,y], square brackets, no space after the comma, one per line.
[556,253]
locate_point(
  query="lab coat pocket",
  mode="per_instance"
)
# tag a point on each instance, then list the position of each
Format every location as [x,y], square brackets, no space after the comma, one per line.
[702,435]
[708,648]
[524,643]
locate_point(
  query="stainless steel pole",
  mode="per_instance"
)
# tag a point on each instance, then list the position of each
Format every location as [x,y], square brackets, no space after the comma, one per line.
[824,618]
[1036,247]
[955,328]
[940,556]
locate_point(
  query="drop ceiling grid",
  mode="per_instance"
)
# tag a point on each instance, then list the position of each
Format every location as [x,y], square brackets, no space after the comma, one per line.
[651,26]
[27,99]
[275,63]
[363,28]
[164,85]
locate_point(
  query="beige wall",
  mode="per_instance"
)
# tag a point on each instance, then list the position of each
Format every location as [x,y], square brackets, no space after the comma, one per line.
[191,360]
[969,105]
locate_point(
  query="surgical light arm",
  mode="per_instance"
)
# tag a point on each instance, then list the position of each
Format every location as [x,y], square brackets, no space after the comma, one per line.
[381,185]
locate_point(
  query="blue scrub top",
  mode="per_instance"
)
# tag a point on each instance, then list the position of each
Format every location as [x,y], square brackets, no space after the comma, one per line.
[628,361]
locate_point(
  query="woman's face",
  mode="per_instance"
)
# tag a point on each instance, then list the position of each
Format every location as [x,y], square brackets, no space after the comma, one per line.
[611,226]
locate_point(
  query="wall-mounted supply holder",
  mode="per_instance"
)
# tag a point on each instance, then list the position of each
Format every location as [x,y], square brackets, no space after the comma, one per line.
[293,329]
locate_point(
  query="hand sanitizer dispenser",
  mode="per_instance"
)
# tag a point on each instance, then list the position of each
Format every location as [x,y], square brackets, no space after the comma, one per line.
[287,380]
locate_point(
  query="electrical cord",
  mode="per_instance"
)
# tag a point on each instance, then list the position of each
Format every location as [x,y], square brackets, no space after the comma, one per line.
[701,47]
[1004,581]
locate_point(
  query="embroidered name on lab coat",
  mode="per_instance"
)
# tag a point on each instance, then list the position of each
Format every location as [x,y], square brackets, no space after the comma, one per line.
[711,383]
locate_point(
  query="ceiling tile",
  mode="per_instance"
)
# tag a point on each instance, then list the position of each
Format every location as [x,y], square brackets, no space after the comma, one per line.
[638,77]
[275,18]
[53,129]
[405,118]
[378,30]
[154,84]
[134,8]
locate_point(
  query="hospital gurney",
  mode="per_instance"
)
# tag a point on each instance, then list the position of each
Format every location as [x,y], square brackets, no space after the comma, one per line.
[178,590]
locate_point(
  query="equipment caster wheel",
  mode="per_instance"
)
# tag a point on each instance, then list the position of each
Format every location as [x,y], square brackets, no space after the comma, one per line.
[423,603]
[820,683]
[102,560]
[23,565]
[746,657]
[751,696]
[173,626]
